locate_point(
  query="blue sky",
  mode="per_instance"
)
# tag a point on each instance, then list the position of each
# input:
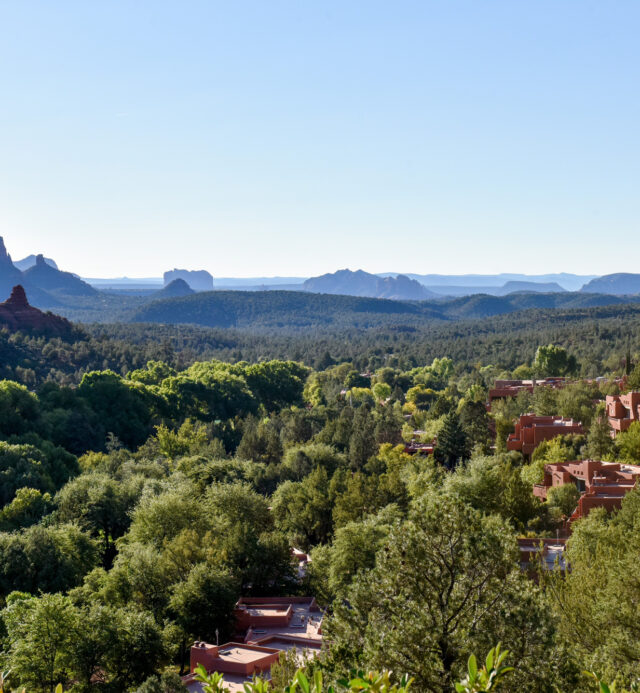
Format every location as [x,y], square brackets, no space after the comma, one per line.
[299,137]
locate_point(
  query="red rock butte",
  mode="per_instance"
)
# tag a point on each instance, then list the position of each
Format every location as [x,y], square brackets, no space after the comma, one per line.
[18,298]
[18,316]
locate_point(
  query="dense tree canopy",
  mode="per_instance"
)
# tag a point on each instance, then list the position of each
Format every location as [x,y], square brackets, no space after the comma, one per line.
[148,479]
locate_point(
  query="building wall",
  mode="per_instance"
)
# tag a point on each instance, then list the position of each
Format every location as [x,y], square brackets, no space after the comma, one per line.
[622,411]
[531,430]
[208,656]
[604,484]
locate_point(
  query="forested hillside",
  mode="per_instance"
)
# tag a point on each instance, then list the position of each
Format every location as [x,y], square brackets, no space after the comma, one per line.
[146,487]
[291,310]
[599,337]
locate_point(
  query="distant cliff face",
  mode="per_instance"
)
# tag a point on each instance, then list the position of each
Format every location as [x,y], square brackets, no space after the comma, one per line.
[18,316]
[10,275]
[615,284]
[199,280]
[360,283]
[47,278]
[30,261]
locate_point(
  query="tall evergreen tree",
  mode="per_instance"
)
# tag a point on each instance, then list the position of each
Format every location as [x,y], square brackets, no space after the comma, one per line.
[453,445]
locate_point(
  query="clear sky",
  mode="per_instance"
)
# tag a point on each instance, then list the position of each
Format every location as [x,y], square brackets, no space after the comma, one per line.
[299,137]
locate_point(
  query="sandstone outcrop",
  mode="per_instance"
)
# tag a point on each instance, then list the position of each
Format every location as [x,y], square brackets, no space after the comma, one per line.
[18,316]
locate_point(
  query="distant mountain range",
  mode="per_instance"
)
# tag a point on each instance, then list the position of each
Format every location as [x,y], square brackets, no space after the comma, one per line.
[47,286]
[503,290]
[359,283]
[53,281]
[616,284]
[305,310]
[486,283]
[198,280]
[30,261]
[355,298]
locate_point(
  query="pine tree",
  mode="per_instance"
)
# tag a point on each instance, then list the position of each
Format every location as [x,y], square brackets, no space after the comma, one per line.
[453,444]
[599,442]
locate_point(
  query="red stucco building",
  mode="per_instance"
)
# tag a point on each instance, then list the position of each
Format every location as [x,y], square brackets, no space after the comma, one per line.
[602,484]
[622,411]
[265,627]
[531,430]
[510,388]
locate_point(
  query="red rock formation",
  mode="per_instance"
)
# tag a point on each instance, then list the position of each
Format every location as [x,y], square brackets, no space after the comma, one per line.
[18,316]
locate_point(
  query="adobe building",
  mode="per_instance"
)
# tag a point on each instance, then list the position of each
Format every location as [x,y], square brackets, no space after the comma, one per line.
[282,622]
[531,430]
[511,388]
[265,627]
[602,484]
[622,411]
[238,662]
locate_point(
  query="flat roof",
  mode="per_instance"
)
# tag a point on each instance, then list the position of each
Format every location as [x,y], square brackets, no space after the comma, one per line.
[305,624]
[238,653]
[266,610]
[233,682]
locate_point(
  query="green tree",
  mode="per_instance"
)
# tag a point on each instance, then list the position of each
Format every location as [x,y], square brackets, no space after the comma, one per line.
[633,382]
[494,485]
[354,379]
[120,408]
[452,446]
[545,401]
[599,445]
[628,443]
[356,495]
[141,578]
[154,373]
[354,548]
[203,604]
[301,460]
[47,559]
[575,401]
[19,409]
[277,384]
[564,498]
[602,630]
[475,423]
[189,439]
[92,635]
[445,581]
[382,391]
[38,632]
[421,396]
[208,391]
[260,442]
[157,519]
[44,468]
[302,510]
[552,360]
[101,506]
[167,682]
[362,443]
[257,556]
[27,508]
[137,651]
